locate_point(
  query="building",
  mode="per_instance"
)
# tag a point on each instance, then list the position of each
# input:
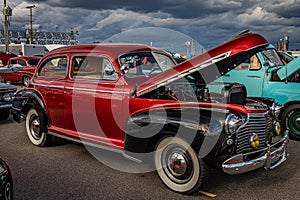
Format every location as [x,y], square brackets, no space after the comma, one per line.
[41,38]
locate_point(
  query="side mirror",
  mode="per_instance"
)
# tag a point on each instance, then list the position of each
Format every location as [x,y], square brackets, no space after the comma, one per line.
[109,70]
[125,69]
[266,63]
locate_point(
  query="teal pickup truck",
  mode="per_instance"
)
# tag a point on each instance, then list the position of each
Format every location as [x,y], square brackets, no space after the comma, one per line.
[265,74]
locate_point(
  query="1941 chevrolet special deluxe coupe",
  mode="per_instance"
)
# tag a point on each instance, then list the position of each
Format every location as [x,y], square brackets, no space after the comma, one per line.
[134,99]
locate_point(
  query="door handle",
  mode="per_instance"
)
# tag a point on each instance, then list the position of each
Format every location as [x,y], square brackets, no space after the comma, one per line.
[254,76]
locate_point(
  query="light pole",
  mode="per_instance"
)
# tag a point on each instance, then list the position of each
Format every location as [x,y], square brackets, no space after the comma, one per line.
[74,33]
[30,15]
[7,12]
[188,45]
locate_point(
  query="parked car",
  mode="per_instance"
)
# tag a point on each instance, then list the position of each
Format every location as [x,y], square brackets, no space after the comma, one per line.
[265,75]
[6,183]
[24,71]
[7,93]
[103,95]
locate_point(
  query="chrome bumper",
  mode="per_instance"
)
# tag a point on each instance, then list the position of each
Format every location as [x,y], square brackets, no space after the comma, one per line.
[271,159]
[8,105]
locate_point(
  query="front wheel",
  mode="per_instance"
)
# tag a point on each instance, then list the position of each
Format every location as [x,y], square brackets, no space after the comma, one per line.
[34,127]
[291,121]
[178,165]
[26,80]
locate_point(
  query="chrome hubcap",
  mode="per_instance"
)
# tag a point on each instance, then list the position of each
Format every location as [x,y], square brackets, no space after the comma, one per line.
[297,122]
[35,128]
[177,164]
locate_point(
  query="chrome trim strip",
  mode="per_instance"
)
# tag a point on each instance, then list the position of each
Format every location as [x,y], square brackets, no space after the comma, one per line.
[94,90]
[48,85]
[81,89]
[270,160]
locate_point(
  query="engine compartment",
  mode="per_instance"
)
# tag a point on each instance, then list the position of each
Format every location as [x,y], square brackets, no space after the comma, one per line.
[193,88]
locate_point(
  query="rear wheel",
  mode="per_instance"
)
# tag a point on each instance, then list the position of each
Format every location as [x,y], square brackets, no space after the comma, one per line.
[34,127]
[291,121]
[178,165]
[26,80]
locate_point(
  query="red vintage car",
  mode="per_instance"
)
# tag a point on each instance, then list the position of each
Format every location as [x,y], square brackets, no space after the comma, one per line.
[25,71]
[135,100]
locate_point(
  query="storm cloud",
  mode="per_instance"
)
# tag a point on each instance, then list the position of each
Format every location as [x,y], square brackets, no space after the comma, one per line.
[208,22]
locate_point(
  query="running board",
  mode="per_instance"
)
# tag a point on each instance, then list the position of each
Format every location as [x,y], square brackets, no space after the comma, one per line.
[97,146]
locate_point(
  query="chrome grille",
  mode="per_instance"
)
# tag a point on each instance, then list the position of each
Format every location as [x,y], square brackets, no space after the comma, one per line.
[258,123]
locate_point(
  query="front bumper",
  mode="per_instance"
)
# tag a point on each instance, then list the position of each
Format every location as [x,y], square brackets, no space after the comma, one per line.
[273,157]
[5,105]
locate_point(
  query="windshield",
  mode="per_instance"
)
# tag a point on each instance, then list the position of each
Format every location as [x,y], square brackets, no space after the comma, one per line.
[33,62]
[145,63]
[272,58]
[285,57]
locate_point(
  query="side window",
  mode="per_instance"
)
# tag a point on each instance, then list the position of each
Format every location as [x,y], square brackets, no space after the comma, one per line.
[21,62]
[108,65]
[54,68]
[91,67]
[254,63]
[251,63]
[12,62]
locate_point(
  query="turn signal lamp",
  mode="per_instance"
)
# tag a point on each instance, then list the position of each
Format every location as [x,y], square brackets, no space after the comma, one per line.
[277,128]
[254,141]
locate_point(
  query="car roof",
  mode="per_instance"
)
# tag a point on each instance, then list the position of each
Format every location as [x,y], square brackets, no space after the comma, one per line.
[25,57]
[114,49]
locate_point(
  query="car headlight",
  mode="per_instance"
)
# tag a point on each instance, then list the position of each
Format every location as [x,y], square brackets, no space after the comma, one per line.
[8,97]
[232,123]
[275,109]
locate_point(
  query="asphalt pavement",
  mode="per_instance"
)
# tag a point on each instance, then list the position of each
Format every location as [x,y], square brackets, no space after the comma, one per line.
[68,171]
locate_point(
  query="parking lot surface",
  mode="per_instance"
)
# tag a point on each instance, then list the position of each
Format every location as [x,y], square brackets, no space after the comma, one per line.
[68,171]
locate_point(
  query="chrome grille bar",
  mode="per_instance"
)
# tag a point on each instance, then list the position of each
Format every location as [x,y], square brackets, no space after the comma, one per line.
[258,123]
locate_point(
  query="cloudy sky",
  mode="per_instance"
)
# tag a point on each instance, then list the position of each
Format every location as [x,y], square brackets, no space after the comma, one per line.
[208,22]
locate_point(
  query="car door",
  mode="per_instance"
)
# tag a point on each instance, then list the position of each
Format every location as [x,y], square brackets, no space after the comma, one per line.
[94,101]
[251,73]
[49,82]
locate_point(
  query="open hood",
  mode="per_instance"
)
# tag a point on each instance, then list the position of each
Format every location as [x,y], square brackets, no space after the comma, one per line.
[211,64]
[289,69]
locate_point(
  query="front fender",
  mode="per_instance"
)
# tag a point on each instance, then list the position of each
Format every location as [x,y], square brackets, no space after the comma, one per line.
[26,99]
[145,129]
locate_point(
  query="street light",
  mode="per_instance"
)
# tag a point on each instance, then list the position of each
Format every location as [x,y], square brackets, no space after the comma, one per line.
[30,15]
[7,12]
